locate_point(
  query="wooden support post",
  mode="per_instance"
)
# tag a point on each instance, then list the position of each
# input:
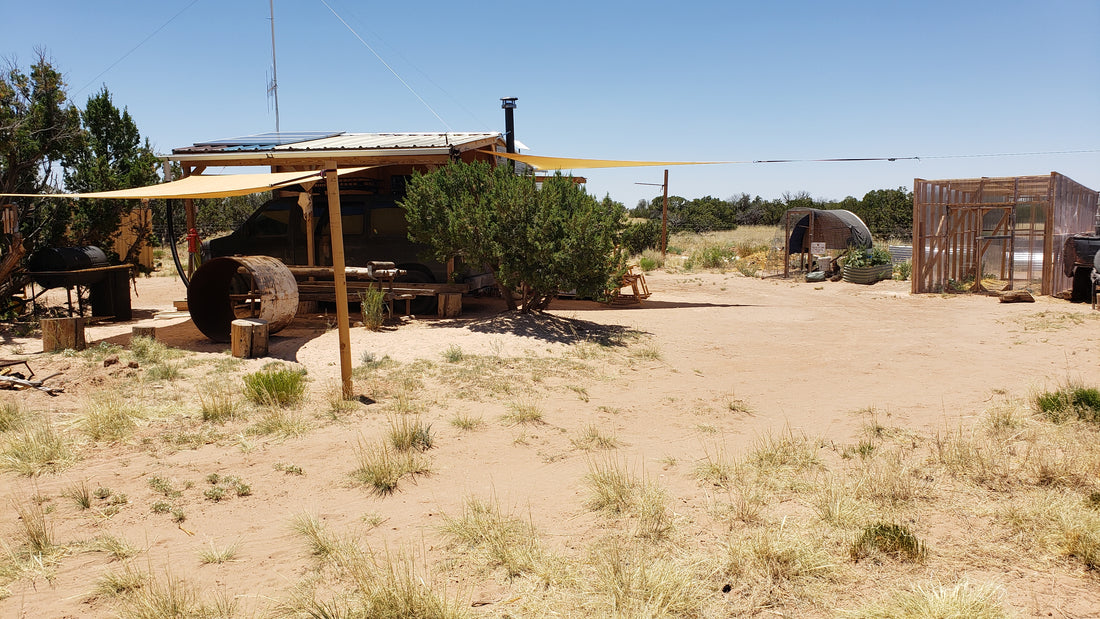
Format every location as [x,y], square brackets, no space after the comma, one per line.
[149,332]
[336,234]
[248,338]
[450,304]
[62,333]
[664,216]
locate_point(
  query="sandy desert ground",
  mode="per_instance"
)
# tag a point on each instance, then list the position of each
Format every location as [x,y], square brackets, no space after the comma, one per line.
[714,370]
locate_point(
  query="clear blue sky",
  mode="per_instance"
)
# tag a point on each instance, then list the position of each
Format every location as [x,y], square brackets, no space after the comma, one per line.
[616,80]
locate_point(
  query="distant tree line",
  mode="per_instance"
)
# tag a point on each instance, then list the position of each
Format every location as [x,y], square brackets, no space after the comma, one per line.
[888,213]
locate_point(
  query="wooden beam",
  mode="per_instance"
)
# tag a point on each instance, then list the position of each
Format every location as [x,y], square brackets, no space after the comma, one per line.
[336,234]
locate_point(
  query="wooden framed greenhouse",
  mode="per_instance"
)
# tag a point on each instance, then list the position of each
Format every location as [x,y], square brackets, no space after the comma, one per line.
[996,233]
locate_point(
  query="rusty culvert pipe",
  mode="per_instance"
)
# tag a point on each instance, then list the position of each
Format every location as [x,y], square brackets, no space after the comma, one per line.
[224,289]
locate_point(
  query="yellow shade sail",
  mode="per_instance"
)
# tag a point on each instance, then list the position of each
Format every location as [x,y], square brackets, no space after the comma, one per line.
[569,163]
[204,186]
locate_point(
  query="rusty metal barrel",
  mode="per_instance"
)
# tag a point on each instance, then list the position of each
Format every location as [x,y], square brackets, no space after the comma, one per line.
[224,289]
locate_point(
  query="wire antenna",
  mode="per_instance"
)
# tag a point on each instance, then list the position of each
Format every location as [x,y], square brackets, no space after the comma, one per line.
[273,87]
[385,64]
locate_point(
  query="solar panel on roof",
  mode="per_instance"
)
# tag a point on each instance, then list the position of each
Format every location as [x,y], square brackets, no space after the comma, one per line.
[270,139]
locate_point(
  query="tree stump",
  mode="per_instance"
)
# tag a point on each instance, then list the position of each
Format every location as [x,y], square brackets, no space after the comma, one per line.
[450,304]
[248,338]
[149,332]
[62,333]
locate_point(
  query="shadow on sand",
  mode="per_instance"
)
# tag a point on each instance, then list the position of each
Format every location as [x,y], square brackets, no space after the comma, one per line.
[283,345]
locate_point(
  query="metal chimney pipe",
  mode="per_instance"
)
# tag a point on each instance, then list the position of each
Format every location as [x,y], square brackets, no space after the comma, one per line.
[508,104]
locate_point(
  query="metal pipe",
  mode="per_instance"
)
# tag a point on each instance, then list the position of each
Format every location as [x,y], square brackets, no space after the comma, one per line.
[509,106]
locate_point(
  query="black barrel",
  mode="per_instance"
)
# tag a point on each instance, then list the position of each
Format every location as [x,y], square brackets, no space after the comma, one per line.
[55,259]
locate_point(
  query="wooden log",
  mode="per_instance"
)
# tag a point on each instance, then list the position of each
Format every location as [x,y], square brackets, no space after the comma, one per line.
[1016,296]
[149,332]
[62,334]
[248,338]
[450,305]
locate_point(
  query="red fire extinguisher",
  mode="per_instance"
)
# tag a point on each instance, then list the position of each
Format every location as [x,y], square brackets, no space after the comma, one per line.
[193,241]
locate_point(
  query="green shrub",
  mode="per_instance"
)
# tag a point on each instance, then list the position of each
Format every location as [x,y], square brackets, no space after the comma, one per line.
[888,538]
[639,236]
[903,270]
[647,264]
[861,257]
[275,386]
[1070,402]
[373,303]
[710,257]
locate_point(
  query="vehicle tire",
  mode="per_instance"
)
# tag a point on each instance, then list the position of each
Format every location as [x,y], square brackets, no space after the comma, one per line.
[420,274]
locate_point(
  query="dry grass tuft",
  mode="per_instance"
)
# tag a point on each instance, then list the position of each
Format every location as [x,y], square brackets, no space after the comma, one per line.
[716,468]
[110,418]
[778,558]
[12,416]
[523,413]
[611,487]
[37,448]
[381,467]
[591,438]
[215,555]
[218,402]
[464,421]
[960,600]
[506,541]
[406,434]
[629,583]
[117,548]
[119,583]
[281,422]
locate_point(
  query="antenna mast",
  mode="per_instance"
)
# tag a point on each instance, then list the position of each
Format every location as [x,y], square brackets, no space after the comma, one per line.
[274,88]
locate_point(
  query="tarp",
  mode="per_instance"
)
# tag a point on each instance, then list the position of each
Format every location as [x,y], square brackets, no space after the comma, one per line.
[567,163]
[203,186]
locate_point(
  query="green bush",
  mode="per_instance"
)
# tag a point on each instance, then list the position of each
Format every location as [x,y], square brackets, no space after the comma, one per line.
[639,236]
[275,386]
[903,270]
[373,303]
[862,257]
[888,538]
[710,257]
[1070,402]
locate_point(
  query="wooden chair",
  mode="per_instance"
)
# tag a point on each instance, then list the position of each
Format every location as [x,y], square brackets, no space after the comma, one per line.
[639,291]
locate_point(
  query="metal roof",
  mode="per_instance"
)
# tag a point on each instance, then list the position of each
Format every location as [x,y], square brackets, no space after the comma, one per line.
[330,141]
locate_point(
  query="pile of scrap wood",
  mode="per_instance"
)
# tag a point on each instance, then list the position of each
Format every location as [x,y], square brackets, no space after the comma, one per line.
[10,379]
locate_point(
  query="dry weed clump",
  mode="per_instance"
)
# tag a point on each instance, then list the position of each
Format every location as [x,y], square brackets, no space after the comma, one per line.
[630,581]
[504,540]
[382,467]
[152,597]
[37,447]
[939,600]
[384,586]
[110,418]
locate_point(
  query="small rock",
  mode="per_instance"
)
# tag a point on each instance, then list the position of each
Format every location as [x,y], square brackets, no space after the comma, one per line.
[110,360]
[133,365]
